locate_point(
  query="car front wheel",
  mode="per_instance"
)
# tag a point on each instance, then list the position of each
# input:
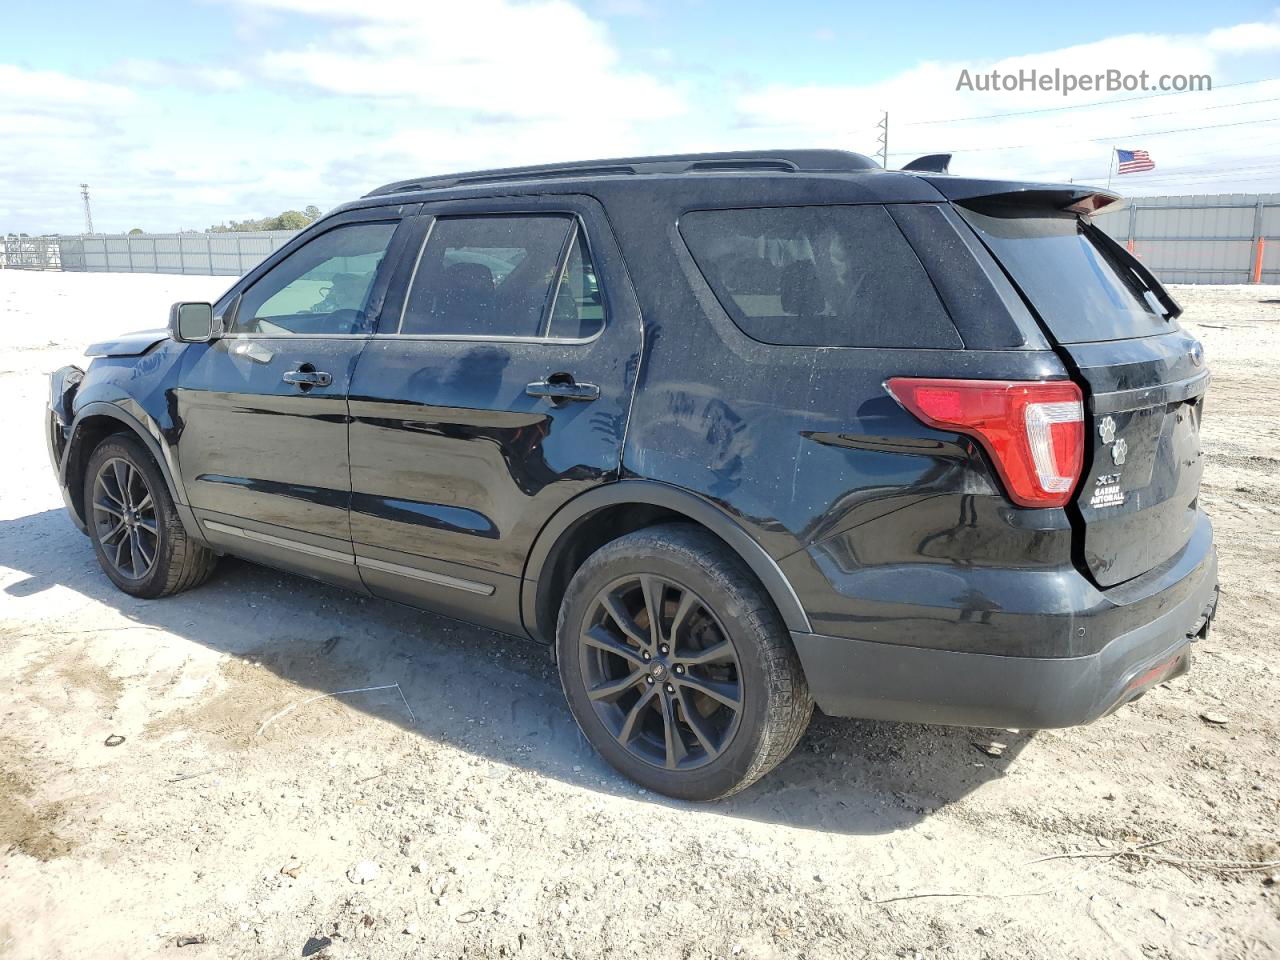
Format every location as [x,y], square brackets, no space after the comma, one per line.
[136,532]
[677,666]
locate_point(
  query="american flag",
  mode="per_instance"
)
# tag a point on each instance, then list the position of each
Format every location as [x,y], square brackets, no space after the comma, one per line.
[1133,161]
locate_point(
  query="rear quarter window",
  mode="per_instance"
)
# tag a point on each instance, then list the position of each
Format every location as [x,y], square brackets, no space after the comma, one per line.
[832,276]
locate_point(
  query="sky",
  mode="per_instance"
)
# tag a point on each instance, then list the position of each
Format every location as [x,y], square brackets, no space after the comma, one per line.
[180,115]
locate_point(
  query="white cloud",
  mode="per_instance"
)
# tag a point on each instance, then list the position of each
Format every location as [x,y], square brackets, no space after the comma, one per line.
[52,87]
[57,131]
[489,57]
[625,8]
[366,93]
[1245,38]
[1054,144]
[154,73]
[383,90]
[423,150]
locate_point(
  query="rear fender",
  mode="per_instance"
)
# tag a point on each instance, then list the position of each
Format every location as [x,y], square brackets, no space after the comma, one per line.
[675,500]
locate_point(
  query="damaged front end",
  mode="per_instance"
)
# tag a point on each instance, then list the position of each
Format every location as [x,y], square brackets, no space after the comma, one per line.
[63,384]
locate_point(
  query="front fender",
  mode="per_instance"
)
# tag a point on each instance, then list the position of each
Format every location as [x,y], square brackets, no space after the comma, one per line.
[87,431]
[146,430]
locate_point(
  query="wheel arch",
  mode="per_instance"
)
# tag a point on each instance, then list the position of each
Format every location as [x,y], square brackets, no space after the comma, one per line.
[96,421]
[601,515]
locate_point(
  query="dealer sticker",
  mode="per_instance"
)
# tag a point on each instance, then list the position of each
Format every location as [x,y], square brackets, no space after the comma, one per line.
[1107,492]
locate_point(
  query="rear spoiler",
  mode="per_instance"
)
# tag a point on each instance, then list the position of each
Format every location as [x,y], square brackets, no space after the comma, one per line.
[1078,198]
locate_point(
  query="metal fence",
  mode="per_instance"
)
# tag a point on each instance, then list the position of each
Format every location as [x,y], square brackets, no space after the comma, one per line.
[30,253]
[211,254]
[1219,238]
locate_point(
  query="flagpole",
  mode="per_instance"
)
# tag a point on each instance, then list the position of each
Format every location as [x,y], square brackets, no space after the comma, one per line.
[1110,164]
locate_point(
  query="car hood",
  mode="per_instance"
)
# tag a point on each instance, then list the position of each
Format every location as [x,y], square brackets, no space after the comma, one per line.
[127,345]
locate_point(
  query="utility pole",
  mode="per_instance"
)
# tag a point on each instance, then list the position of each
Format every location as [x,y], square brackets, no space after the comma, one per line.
[883,139]
[88,215]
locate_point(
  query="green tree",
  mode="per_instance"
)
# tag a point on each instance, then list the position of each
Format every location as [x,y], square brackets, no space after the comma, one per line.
[136,232]
[288,220]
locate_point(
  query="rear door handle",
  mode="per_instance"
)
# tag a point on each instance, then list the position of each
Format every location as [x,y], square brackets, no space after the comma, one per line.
[306,377]
[562,390]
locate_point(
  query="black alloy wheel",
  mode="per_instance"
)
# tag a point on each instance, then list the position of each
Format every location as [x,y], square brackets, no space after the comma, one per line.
[124,518]
[677,665]
[137,532]
[661,672]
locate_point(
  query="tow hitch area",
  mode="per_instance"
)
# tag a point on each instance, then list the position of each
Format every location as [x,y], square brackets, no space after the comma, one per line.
[1200,630]
[1170,667]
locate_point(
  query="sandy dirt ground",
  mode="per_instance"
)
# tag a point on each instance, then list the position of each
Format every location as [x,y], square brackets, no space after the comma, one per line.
[483,826]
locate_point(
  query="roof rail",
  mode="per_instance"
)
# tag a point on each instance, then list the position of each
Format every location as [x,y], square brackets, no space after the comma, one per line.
[787,161]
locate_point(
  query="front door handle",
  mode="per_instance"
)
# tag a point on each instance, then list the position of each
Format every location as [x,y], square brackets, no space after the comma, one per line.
[560,390]
[307,376]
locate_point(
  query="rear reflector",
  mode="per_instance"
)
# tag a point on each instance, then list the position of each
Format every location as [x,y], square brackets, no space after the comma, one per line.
[1157,673]
[1032,430]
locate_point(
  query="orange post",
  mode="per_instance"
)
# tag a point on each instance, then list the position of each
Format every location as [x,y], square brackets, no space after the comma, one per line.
[1257,259]
[1130,245]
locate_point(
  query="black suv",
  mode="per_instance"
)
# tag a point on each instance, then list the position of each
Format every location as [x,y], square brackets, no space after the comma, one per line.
[733,433]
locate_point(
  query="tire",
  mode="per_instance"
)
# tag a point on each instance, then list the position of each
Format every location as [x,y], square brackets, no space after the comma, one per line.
[146,552]
[661,709]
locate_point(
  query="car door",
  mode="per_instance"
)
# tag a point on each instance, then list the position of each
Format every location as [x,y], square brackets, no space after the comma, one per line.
[496,389]
[263,408]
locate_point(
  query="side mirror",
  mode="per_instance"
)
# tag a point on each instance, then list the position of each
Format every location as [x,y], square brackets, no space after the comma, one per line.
[191,322]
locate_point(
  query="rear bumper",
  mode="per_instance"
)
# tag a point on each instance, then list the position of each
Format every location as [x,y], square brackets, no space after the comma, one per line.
[892,681]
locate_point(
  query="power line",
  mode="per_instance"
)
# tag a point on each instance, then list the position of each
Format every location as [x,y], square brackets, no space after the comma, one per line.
[1189,183]
[1216,106]
[1112,138]
[1082,106]
[1207,173]
[1178,181]
[1161,133]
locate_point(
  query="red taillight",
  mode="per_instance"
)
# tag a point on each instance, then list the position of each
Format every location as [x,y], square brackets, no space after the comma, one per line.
[1033,430]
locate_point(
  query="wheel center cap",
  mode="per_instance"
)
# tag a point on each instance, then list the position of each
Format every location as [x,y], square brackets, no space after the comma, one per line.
[658,671]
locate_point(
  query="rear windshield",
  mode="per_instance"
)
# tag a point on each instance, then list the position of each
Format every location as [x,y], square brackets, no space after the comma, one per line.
[1079,289]
[831,276]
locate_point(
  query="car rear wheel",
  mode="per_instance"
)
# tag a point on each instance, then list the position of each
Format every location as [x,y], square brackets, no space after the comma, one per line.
[136,532]
[677,666]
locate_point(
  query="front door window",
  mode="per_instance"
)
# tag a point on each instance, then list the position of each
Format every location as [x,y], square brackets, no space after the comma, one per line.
[321,288]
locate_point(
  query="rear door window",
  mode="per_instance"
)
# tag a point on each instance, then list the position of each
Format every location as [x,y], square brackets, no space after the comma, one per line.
[840,276]
[578,309]
[1079,290]
[487,276]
